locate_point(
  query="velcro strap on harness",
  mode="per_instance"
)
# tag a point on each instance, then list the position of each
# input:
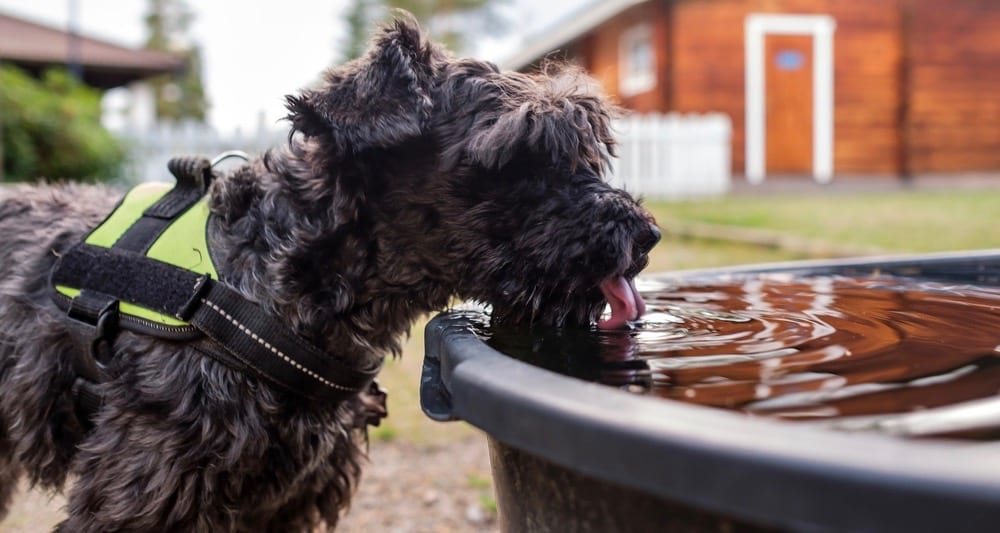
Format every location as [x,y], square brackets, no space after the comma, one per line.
[246,331]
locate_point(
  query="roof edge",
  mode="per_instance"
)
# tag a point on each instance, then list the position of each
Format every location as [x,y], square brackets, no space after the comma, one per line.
[565,30]
[163,60]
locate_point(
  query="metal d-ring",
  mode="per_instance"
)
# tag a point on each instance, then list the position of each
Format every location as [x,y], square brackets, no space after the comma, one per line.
[230,153]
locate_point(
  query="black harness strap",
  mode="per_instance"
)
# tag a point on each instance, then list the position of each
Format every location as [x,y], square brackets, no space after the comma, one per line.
[93,316]
[247,332]
[237,332]
[193,174]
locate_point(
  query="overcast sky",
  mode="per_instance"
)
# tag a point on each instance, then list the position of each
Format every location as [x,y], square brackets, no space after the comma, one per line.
[257,51]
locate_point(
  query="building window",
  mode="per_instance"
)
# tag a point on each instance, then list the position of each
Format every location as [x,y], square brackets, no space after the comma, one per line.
[637,61]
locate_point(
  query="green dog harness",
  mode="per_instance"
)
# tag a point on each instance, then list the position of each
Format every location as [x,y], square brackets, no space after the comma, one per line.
[182,244]
[148,269]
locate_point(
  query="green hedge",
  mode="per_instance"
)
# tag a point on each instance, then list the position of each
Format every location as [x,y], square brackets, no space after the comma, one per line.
[52,129]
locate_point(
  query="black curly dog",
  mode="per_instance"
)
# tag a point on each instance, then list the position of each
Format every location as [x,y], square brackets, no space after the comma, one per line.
[411,178]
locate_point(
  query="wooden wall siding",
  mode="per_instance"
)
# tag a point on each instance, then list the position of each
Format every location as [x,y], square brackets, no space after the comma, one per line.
[867,63]
[915,81]
[601,49]
[708,63]
[708,74]
[954,99]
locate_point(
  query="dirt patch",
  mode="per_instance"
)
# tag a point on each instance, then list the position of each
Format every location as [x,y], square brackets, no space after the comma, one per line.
[439,488]
[435,488]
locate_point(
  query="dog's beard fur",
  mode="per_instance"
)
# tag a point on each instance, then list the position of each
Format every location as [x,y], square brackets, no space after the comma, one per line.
[410,179]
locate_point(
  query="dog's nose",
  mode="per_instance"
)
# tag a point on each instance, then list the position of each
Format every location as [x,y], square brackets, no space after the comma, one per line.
[648,239]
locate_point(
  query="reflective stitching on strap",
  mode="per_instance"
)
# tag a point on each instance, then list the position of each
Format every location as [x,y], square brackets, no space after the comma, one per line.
[274,350]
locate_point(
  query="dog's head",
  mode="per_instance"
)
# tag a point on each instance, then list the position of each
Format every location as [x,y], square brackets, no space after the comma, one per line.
[485,183]
[543,236]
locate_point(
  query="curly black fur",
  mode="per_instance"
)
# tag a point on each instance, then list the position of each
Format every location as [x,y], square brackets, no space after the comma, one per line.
[411,178]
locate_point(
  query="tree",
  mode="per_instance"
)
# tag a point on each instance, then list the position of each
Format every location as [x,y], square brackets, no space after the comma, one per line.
[452,22]
[179,95]
[359,17]
[51,128]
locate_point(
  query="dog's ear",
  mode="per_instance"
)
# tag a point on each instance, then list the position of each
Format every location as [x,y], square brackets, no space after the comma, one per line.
[376,101]
[560,116]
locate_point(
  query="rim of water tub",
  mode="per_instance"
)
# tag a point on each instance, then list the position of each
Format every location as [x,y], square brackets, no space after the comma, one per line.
[761,470]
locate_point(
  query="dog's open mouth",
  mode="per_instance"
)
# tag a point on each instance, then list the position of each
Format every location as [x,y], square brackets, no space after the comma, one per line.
[625,301]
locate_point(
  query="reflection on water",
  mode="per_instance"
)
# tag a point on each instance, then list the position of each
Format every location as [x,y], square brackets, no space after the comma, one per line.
[878,353]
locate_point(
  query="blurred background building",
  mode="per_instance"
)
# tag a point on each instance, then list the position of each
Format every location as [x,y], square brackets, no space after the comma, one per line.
[816,90]
[813,87]
[35,48]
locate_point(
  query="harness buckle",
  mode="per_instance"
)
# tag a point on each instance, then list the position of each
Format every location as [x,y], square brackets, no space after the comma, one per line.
[93,328]
[104,332]
[92,321]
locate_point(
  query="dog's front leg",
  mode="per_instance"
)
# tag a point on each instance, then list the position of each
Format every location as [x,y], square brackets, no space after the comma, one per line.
[10,473]
[184,443]
[141,476]
[176,446]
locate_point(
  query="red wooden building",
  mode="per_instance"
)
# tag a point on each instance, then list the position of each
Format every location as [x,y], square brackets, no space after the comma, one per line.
[813,87]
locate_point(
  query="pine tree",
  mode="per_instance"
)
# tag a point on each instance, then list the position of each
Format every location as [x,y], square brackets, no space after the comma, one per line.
[180,95]
[359,17]
[452,22]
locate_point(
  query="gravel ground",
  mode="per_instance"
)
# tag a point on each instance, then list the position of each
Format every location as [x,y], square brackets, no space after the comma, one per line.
[433,488]
[440,488]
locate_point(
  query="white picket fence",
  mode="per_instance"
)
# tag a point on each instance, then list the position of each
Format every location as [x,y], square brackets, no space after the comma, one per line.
[673,155]
[659,156]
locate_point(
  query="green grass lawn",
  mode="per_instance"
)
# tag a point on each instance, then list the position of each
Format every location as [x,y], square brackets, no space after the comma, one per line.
[901,221]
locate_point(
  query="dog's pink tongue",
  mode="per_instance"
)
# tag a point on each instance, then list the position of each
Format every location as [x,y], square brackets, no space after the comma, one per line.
[625,302]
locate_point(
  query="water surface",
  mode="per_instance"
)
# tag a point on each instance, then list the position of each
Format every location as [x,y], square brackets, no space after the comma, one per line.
[881,353]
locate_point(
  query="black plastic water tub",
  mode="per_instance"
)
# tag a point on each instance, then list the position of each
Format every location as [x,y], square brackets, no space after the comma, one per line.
[569,455]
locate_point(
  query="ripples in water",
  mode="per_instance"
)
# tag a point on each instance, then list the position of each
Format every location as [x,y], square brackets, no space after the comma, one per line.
[894,355]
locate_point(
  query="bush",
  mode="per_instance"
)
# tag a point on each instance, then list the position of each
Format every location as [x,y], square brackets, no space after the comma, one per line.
[51,128]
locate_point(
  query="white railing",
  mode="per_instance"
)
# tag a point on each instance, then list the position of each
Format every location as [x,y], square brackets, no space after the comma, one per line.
[149,149]
[659,156]
[673,155]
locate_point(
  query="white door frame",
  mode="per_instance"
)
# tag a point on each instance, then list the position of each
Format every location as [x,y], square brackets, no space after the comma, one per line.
[821,28]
